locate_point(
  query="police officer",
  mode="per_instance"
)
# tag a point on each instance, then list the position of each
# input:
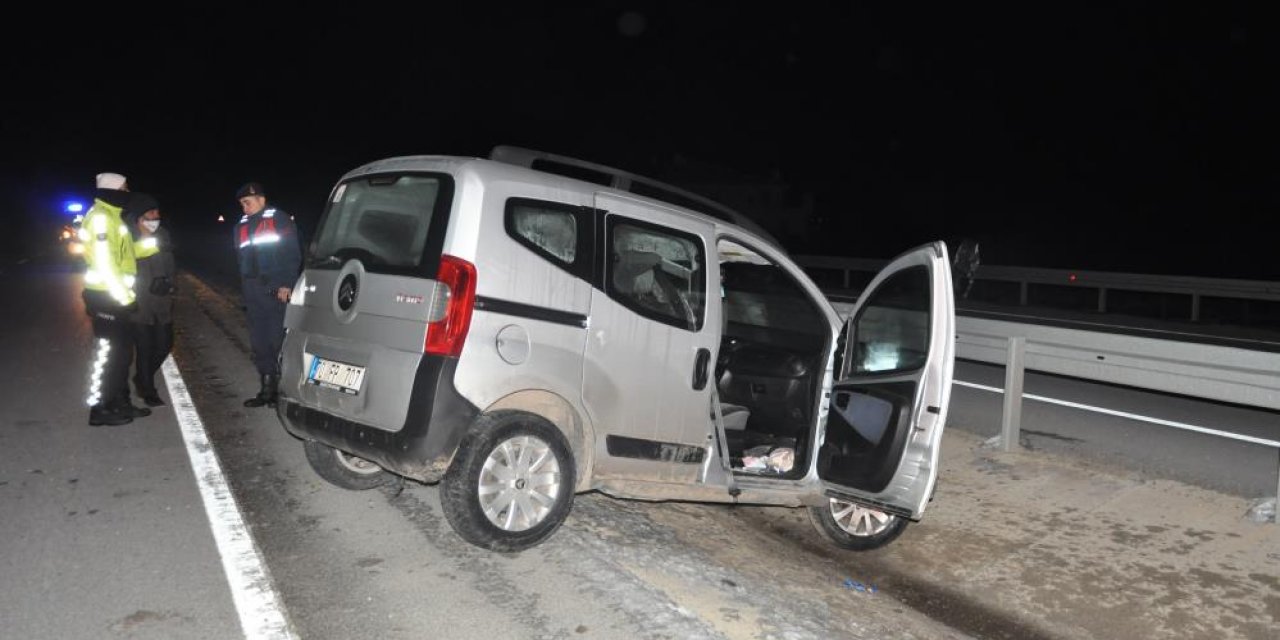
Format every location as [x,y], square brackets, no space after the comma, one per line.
[270,257]
[108,299]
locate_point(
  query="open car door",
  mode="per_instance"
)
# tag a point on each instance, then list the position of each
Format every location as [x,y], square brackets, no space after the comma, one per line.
[889,404]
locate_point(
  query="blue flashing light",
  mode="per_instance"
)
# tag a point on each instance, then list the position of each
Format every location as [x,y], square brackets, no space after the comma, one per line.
[74,207]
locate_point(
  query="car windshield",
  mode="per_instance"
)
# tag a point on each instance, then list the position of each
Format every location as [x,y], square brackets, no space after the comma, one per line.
[383,220]
[758,293]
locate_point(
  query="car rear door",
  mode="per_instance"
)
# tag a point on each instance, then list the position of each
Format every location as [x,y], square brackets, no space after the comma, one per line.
[358,319]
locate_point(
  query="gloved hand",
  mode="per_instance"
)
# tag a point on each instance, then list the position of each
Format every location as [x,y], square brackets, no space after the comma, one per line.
[162,286]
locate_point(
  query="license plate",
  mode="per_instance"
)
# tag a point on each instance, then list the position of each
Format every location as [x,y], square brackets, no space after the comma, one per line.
[338,376]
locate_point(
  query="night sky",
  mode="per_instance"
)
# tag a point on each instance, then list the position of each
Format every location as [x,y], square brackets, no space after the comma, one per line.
[1139,138]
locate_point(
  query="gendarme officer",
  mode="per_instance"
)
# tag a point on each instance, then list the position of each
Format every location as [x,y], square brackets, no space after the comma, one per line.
[270,257]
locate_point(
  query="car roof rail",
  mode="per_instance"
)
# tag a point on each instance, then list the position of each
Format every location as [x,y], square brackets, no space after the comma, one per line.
[624,181]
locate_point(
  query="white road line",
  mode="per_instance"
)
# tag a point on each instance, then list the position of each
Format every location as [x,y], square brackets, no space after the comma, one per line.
[1131,416]
[262,616]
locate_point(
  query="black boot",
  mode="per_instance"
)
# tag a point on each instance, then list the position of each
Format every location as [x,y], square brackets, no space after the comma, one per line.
[103,415]
[266,395]
[126,408]
[148,394]
[273,389]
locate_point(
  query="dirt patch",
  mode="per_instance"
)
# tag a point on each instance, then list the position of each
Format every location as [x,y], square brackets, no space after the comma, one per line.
[144,618]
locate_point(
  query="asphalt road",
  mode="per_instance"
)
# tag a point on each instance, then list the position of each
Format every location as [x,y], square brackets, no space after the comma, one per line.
[102,530]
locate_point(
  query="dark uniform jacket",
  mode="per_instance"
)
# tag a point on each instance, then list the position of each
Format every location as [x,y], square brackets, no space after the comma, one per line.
[269,249]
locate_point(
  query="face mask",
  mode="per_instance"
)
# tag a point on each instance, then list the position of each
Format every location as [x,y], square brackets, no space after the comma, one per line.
[151,225]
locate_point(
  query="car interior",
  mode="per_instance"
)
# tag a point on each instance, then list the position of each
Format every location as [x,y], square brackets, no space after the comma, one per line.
[770,364]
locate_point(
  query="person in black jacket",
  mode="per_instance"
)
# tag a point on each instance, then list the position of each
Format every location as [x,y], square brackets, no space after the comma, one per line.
[152,321]
[270,258]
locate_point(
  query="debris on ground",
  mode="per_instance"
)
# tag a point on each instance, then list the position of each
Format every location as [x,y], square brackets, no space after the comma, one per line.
[850,583]
[1263,510]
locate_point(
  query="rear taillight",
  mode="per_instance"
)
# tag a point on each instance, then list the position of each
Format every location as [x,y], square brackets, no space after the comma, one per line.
[446,335]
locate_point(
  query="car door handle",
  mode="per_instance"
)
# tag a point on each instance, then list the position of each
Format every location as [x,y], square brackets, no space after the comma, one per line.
[700,369]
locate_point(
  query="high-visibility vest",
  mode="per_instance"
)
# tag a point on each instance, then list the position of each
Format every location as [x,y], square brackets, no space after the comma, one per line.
[108,252]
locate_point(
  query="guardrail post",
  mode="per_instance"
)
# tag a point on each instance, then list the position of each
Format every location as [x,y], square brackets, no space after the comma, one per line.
[1022,293]
[845,274]
[1102,299]
[1195,307]
[1011,419]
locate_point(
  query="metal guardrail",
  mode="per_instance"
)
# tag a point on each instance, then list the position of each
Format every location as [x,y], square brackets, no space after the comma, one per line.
[1226,374]
[1197,288]
[1101,282]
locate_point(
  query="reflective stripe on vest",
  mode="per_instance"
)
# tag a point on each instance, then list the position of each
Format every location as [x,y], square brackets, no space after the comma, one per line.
[264,232]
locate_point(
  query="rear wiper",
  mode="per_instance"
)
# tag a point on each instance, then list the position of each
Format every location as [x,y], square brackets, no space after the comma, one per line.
[319,262]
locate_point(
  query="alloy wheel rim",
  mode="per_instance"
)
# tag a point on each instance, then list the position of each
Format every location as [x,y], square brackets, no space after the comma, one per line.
[519,483]
[857,520]
[356,464]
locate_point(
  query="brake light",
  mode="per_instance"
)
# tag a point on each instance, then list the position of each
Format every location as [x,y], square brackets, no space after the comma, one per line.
[446,335]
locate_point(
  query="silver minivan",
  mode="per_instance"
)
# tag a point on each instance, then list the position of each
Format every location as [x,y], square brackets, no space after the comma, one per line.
[519,336]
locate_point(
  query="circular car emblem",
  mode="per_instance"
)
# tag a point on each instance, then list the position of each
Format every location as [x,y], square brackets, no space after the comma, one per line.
[347,292]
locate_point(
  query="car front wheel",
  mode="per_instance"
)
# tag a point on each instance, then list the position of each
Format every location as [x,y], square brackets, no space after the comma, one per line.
[854,526]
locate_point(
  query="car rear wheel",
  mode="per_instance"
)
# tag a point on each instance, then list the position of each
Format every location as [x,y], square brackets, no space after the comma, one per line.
[854,526]
[343,469]
[510,485]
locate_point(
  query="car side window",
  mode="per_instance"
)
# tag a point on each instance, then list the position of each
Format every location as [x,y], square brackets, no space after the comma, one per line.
[893,327]
[657,272]
[562,234]
[552,232]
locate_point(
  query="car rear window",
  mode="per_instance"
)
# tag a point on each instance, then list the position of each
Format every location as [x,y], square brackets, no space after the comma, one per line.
[390,222]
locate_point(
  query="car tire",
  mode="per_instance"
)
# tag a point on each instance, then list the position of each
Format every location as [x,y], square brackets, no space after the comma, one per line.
[490,494]
[854,526]
[343,469]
